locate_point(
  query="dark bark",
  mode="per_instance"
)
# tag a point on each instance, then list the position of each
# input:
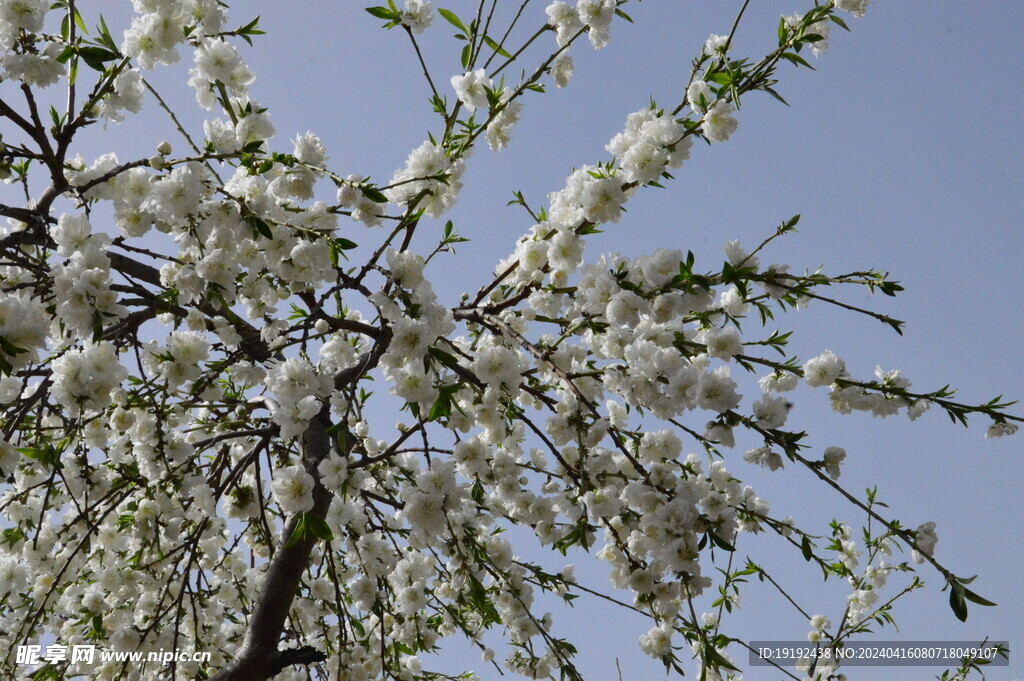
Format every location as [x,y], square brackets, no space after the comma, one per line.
[259,658]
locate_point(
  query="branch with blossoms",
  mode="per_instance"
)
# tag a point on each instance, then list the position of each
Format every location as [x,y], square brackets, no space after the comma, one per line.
[192,356]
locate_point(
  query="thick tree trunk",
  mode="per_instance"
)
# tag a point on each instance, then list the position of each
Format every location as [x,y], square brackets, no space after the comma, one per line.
[259,658]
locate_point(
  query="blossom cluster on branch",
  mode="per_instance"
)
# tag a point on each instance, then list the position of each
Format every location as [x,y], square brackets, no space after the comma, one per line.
[192,355]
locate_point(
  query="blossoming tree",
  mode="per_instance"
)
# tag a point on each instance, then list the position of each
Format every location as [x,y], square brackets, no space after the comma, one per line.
[192,355]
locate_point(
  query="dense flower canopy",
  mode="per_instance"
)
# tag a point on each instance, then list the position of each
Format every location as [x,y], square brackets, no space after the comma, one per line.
[192,356]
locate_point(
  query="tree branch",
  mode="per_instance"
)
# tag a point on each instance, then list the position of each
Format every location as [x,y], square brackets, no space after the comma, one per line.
[258,658]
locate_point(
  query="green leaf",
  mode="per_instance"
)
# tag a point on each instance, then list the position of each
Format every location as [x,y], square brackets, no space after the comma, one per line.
[261,227]
[443,357]
[466,54]
[956,602]
[375,195]
[839,22]
[796,59]
[805,547]
[775,94]
[716,659]
[381,13]
[95,57]
[721,543]
[318,527]
[442,407]
[477,492]
[80,23]
[496,47]
[975,598]
[66,54]
[357,627]
[250,29]
[104,36]
[452,19]
[299,533]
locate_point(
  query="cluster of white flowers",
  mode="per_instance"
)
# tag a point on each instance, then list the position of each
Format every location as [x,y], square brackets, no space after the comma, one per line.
[296,387]
[717,45]
[833,457]
[589,195]
[552,431]
[471,89]
[764,457]
[498,130]
[417,15]
[595,15]
[823,370]
[663,530]
[819,28]
[855,7]
[474,90]
[819,625]
[435,492]
[252,127]
[39,70]
[881,403]
[721,343]
[651,142]
[293,489]
[499,366]
[428,161]
[83,379]
[218,64]
[1000,429]
[23,328]
[179,360]
[126,95]
[412,333]
[926,539]
[298,182]
[562,69]
[657,642]
[82,284]
[38,67]
[718,123]
[362,208]
[174,197]
[159,27]
[565,20]
[824,669]
[21,15]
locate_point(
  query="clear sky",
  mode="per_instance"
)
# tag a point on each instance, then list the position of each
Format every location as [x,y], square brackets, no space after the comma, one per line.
[902,152]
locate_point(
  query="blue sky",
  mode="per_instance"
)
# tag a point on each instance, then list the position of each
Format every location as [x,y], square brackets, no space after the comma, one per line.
[902,153]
